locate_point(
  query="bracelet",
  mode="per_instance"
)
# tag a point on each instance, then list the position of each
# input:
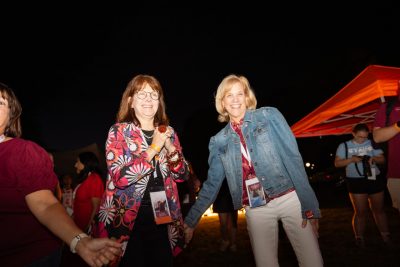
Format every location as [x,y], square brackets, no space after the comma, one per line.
[309,214]
[75,241]
[174,156]
[155,148]
[397,126]
[174,159]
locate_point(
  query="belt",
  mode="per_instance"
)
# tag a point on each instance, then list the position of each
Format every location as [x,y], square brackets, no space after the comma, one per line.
[268,199]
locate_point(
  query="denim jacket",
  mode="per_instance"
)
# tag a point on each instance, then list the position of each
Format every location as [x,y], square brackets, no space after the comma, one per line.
[274,154]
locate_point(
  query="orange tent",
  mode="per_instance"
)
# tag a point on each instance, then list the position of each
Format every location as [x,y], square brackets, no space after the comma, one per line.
[356,103]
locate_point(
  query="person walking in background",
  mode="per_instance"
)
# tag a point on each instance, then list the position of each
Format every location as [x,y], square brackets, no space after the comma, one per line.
[228,217]
[32,218]
[257,148]
[387,129]
[365,185]
[89,190]
[86,199]
[145,160]
[67,193]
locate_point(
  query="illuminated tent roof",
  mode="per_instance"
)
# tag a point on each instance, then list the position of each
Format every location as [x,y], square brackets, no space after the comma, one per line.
[356,103]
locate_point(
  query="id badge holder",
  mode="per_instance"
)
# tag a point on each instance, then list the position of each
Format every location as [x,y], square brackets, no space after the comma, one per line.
[159,203]
[255,191]
[373,176]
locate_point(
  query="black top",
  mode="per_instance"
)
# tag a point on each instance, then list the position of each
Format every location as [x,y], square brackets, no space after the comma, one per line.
[155,183]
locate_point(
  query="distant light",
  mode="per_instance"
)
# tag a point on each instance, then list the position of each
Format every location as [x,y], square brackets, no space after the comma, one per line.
[308,164]
[210,212]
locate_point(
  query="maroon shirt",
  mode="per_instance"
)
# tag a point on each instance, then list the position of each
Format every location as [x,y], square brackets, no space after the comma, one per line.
[394,143]
[25,167]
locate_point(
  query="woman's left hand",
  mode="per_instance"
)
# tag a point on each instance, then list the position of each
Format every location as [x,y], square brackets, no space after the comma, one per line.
[160,138]
[314,224]
[168,142]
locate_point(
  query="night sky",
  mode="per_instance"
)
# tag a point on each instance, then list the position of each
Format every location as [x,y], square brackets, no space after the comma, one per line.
[70,65]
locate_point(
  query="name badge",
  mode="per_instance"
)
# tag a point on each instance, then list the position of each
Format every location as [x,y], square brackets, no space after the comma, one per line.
[160,207]
[255,191]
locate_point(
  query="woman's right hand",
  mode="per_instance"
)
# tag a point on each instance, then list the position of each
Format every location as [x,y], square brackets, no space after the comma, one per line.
[356,159]
[188,231]
[98,251]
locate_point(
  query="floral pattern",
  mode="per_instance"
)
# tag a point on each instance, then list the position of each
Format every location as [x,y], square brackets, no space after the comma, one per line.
[128,174]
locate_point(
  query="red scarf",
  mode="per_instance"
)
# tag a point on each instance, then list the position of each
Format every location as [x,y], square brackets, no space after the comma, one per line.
[247,167]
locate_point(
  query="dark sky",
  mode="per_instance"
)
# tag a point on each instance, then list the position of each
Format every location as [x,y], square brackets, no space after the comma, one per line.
[70,65]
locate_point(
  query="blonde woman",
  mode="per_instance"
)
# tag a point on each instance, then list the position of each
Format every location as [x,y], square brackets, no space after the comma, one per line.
[257,151]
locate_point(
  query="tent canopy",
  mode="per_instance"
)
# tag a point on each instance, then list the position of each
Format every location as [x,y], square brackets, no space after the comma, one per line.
[356,103]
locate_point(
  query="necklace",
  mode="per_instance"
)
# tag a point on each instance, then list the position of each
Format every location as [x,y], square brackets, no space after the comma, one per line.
[2,138]
[145,135]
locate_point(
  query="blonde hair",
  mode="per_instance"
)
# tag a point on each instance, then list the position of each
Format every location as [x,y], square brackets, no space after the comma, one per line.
[226,85]
[127,114]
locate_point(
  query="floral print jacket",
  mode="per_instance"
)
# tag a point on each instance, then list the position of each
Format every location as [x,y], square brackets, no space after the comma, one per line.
[128,174]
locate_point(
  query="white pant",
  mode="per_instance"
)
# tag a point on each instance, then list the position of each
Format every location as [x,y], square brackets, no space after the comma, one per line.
[262,225]
[393,185]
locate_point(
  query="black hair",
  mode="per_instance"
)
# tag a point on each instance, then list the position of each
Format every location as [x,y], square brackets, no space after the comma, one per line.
[90,163]
[360,127]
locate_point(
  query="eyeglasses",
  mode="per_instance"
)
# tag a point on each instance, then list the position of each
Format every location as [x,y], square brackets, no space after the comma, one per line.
[143,94]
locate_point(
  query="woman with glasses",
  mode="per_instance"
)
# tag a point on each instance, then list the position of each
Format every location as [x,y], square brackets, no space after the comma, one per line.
[364,182]
[144,161]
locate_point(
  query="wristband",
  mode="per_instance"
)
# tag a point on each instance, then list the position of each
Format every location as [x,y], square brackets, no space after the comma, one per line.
[397,125]
[309,214]
[155,147]
[75,241]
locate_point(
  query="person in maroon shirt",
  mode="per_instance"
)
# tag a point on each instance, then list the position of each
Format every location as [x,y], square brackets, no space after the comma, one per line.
[387,129]
[31,218]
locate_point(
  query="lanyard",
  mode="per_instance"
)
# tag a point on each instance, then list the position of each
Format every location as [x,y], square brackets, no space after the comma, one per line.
[244,150]
[245,153]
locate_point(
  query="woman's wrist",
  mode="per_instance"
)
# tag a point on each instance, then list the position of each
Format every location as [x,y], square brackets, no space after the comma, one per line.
[171,149]
[174,159]
[76,241]
[156,148]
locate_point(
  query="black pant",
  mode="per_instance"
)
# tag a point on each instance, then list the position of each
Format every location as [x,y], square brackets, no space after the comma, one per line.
[148,244]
